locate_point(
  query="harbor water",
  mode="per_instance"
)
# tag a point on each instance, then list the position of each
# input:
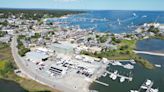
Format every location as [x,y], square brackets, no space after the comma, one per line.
[123,22]
[139,73]
[114,21]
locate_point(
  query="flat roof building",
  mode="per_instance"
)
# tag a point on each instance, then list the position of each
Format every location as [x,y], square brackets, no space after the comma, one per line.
[36,56]
[65,48]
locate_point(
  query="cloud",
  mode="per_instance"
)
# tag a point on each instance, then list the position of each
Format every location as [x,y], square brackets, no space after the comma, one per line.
[65,0]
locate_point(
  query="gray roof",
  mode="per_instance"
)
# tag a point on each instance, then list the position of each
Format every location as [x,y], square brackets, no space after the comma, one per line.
[36,55]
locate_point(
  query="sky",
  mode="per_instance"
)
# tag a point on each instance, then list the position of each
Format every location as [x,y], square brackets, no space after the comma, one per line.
[85,4]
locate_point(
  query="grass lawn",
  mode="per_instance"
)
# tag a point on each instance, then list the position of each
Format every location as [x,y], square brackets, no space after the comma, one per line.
[130,43]
[124,52]
[5,54]
[2,64]
[33,86]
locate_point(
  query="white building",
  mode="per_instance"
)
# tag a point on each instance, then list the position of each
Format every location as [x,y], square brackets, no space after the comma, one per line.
[9,31]
[36,56]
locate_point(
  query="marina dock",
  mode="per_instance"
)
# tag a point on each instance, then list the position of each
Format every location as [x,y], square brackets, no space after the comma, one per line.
[148,87]
[121,76]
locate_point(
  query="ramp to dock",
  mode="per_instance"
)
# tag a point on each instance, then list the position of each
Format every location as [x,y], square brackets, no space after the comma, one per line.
[102,83]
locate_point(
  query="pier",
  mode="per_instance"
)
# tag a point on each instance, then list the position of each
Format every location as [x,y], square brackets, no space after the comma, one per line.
[148,87]
[102,70]
[102,83]
[121,76]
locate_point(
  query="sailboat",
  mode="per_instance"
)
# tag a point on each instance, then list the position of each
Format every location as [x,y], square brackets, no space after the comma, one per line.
[134,14]
[144,16]
[119,21]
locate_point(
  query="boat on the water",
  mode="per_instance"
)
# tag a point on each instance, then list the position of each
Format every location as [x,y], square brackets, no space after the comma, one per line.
[134,14]
[144,16]
[117,63]
[113,76]
[156,65]
[122,79]
[134,91]
[154,90]
[128,66]
[118,20]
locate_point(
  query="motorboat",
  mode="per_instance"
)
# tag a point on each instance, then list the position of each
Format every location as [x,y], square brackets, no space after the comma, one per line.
[116,63]
[114,77]
[143,87]
[111,76]
[134,91]
[156,65]
[148,82]
[154,90]
[144,16]
[128,66]
[122,79]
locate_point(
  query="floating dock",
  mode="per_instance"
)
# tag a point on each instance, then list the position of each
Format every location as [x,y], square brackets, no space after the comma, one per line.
[118,75]
[147,86]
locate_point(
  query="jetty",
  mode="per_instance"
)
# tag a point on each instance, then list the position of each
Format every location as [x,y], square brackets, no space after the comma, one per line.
[149,53]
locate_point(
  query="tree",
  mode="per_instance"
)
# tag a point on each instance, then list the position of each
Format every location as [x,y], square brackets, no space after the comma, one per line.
[88,39]
[2,33]
[124,47]
[153,29]
[37,35]
[114,40]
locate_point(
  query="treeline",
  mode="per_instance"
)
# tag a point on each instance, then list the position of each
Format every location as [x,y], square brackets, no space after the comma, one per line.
[3,45]
[35,14]
[22,50]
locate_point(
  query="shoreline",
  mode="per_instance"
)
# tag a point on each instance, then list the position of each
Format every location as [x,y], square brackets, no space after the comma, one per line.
[124,50]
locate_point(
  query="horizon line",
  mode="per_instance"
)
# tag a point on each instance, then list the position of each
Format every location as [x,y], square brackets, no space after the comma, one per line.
[77,9]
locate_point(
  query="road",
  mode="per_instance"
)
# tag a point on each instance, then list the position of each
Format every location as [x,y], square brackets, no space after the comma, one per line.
[149,53]
[33,74]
